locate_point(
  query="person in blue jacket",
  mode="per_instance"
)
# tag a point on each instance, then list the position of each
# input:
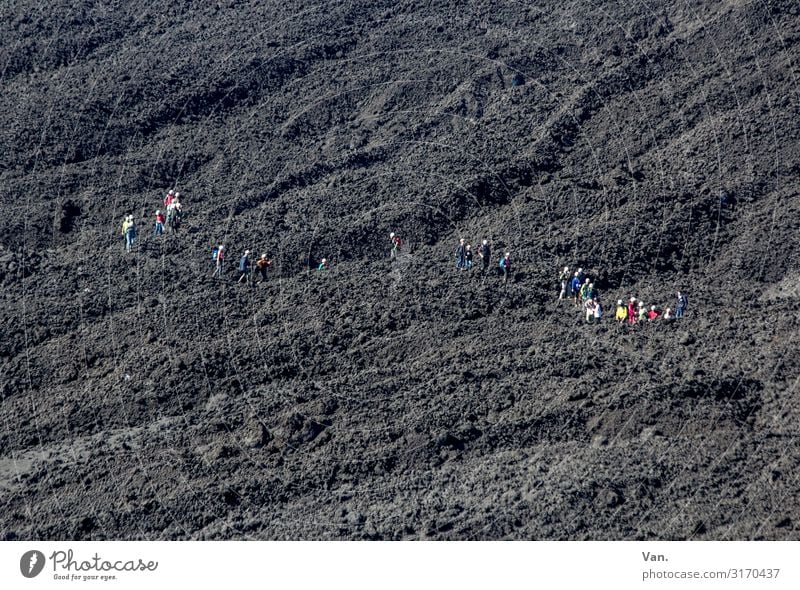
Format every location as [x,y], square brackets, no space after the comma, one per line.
[244,267]
[575,287]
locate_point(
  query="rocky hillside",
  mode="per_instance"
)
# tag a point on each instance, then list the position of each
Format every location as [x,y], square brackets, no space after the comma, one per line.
[399,399]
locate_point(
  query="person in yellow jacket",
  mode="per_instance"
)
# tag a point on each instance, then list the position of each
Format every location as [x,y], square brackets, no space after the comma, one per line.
[129,232]
[622,312]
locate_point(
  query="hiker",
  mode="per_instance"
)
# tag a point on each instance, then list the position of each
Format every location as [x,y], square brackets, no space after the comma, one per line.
[585,288]
[468,257]
[589,307]
[485,254]
[598,310]
[460,255]
[581,276]
[159,230]
[323,264]
[575,287]
[622,312]
[397,243]
[218,256]
[683,301]
[505,266]
[632,311]
[642,311]
[667,314]
[564,279]
[262,264]
[126,223]
[170,196]
[129,231]
[244,267]
[652,314]
[174,210]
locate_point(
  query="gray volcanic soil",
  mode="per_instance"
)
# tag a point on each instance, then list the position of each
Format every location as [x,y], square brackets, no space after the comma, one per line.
[405,400]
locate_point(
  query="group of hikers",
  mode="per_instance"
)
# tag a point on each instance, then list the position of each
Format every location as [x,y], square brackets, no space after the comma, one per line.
[576,286]
[245,268]
[583,294]
[464,257]
[170,217]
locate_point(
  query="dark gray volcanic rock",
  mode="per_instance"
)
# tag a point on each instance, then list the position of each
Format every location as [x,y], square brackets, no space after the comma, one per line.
[399,399]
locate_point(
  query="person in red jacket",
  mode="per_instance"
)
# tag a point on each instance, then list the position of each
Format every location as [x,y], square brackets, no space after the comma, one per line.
[632,311]
[159,223]
[653,314]
[397,243]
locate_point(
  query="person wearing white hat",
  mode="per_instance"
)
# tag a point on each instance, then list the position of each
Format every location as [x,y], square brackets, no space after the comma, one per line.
[622,312]
[397,243]
[262,264]
[485,254]
[159,229]
[632,311]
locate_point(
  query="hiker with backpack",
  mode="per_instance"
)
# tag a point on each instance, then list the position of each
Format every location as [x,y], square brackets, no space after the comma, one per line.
[323,264]
[174,215]
[589,308]
[485,254]
[218,256]
[262,264]
[397,243]
[467,257]
[168,198]
[129,232]
[585,291]
[244,267]
[653,314]
[680,308]
[505,266]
